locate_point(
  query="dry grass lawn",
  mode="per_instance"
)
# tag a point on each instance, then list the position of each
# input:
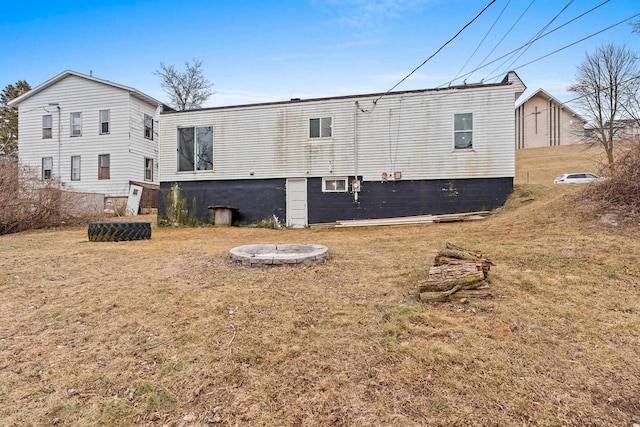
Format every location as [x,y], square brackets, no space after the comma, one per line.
[170,332]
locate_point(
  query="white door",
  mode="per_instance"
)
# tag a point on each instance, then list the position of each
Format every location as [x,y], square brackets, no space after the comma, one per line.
[297,202]
[133,201]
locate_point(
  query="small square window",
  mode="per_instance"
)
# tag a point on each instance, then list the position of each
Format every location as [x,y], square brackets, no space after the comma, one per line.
[47,126]
[334,185]
[320,128]
[105,122]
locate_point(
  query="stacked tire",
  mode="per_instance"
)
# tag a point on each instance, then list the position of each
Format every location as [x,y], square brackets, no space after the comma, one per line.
[119,231]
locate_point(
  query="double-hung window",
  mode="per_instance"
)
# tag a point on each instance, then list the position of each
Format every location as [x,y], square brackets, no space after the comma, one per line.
[47,126]
[463,131]
[76,124]
[195,148]
[75,168]
[148,126]
[105,122]
[47,167]
[104,166]
[148,169]
[320,127]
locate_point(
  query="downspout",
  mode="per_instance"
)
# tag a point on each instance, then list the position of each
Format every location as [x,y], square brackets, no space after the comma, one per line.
[355,146]
[57,105]
[59,146]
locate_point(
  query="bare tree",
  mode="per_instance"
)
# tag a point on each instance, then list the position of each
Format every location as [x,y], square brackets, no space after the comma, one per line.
[186,90]
[603,82]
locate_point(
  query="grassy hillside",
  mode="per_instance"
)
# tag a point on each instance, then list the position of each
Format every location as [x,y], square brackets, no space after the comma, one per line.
[545,163]
[169,332]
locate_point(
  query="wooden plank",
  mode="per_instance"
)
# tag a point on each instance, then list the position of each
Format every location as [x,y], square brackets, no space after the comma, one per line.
[418,219]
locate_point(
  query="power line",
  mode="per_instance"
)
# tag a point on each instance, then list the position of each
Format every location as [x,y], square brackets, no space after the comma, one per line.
[484,38]
[531,42]
[535,37]
[436,52]
[571,44]
[503,37]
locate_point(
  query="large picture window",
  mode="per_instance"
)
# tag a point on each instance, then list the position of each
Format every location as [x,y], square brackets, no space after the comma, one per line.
[463,130]
[320,128]
[195,148]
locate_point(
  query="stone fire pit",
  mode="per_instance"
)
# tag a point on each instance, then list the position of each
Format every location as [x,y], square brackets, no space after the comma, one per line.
[290,253]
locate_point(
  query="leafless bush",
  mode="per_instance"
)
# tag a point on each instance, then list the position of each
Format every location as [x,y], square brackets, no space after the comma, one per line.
[620,191]
[27,202]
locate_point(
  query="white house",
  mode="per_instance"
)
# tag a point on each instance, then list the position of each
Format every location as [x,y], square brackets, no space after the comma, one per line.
[414,152]
[543,121]
[94,135]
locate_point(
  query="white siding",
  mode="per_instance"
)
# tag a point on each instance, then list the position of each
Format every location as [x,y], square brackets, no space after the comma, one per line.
[410,133]
[77,94]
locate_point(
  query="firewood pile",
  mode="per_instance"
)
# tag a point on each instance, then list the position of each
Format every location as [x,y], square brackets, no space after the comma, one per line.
[458,274]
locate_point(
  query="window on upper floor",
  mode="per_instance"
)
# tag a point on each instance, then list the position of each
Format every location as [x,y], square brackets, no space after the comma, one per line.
[105,122]
[334,185]
[320,128]
[47,167]
[195,148]
[47,126]
[75,168]
[463,131]
[104,166]
[148,169]
[76,124]
[148,126]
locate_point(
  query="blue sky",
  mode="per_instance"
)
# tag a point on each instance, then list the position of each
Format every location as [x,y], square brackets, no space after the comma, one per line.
[260,51]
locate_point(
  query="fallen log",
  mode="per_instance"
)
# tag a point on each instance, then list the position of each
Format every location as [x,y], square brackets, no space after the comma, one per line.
[462,283]
[458,294]
[446,277]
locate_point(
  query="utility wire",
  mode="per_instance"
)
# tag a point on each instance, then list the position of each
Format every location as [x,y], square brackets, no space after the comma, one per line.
[535,37]
[483,39]
[531,42]
[436,52]
[505,36]
[569,45]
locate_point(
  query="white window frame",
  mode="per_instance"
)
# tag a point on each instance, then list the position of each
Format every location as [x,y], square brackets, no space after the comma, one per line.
[46,176]
[76,124]
[194,148]
[47,128]
[148,167]
[148,130]
[327,186]
[75,170]
[320,121]
[457,132]
[101,121]
[108,167]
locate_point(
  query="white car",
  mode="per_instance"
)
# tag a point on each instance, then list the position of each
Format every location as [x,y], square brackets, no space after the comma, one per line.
[576,178]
